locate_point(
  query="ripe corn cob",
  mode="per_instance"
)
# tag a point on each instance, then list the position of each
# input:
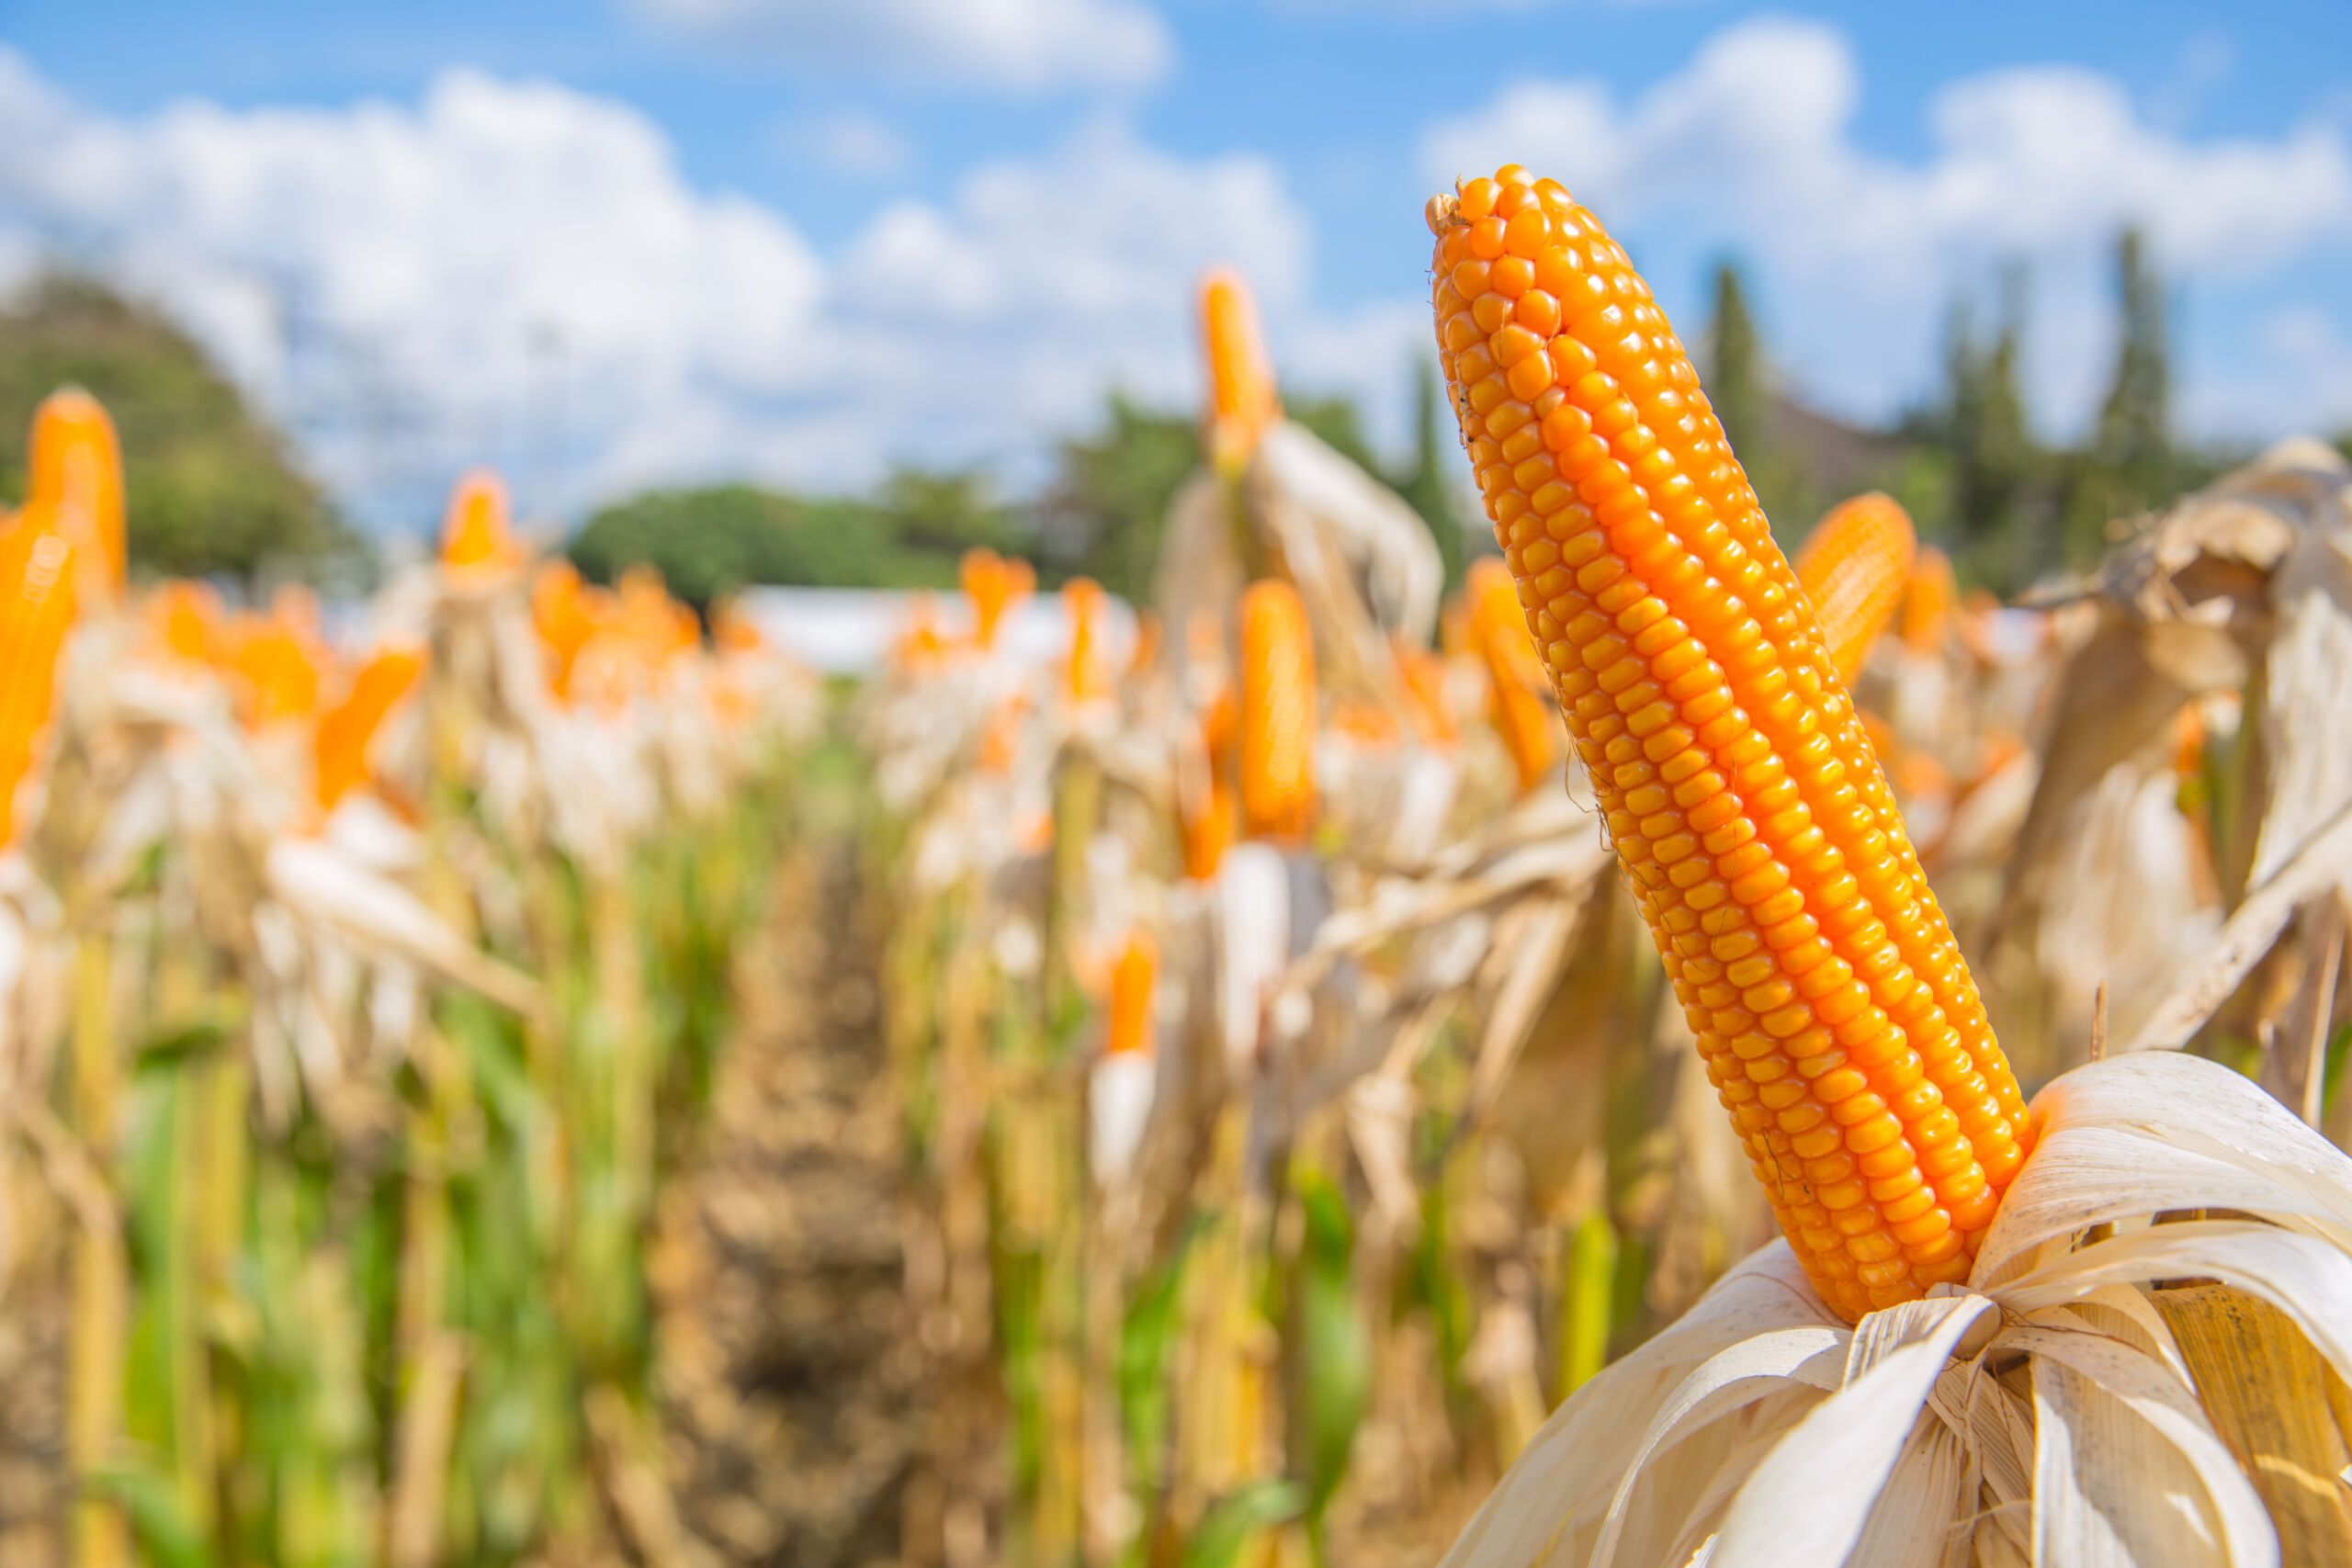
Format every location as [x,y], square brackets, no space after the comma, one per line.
[920,645]
[1422,675]
[1277,713]
[74,463]
[276,668]
[1854,566]
[1931,599]
[1836,1018]
[1206,832]
[994,585]
[339,746]
[1082,598]
[1206,815]
[1000,737]
[566,618]
[1133,974]
[476,534]
[1514,673]
[1242,402]
[37,602]
[732,631]
[183,621]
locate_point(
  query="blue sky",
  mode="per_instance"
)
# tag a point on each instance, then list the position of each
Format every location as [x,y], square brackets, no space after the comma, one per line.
[621,241]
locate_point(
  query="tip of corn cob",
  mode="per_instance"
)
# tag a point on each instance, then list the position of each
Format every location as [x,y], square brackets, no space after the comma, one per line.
[1856,566]
[476,532]
[73,462]
[1242,400]
[1835,1015]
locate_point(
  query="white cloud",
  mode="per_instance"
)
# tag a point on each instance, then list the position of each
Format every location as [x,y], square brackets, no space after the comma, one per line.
[1751,144]
[1002,312]
[2296,375]
[849,144]
[1016,46]
[498,268]
[518,273]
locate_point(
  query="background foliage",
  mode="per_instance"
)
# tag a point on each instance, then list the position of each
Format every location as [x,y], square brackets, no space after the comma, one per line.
[217,493]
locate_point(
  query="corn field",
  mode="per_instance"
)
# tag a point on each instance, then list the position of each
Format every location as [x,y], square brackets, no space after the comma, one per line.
[1357,1074]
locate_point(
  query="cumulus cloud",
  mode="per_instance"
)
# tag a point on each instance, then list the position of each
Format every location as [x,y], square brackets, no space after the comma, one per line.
[848,144]
[519,273]
[2296,375]
[1005,310]
[1752,143]
[472,272]
[1015,46]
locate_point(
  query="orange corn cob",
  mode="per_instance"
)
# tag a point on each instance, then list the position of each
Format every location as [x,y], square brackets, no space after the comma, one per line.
[1835,1017]
[75,464]
[1422,675]
[339,746]
[920,645]
[1000,737]
[183,621]
[732,631]
[37,606]
[477,535]
[1082,597]
[1930,598]
[1242,402]
[1856,567]
[994,585]
[563,615]
[1514,673]
[1207,816]
[1207,831]
[1133,974]
[1277,712]
[277,673]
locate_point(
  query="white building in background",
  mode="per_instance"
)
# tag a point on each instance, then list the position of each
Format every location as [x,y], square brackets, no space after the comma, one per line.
[849,631]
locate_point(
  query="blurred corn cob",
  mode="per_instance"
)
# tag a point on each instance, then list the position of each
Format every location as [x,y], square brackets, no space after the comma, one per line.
[1855,568]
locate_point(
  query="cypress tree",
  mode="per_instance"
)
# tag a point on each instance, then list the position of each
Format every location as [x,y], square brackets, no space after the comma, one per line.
[1425,485]
[1735,363]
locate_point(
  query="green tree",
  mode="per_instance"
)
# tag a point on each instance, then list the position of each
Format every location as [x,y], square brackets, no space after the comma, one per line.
[2130,465]
[1756,419]
[945,513]
[210,488]
[1104,509]
[708,542]
[1736,372]
[1995,463]
[1338,422]
[1428,484]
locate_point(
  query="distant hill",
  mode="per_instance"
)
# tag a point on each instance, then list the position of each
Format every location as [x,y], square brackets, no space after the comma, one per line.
[211,488]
